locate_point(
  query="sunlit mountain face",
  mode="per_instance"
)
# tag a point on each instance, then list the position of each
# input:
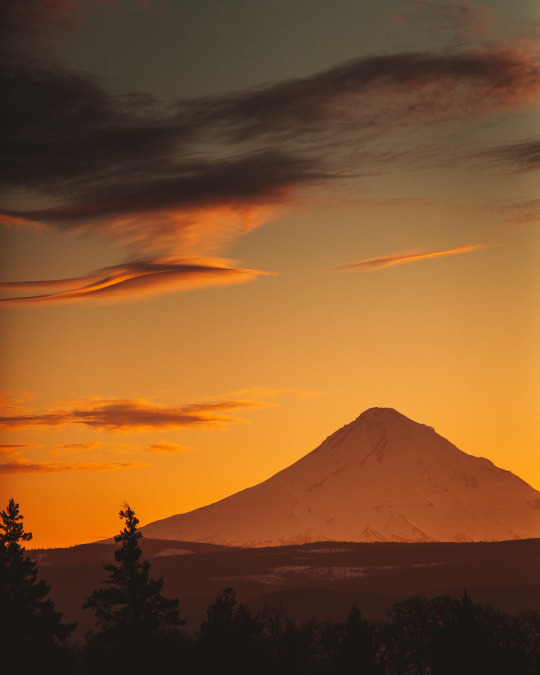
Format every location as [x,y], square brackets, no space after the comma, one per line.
[382,477]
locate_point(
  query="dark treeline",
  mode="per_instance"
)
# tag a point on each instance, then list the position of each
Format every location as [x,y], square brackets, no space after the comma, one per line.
[138,630]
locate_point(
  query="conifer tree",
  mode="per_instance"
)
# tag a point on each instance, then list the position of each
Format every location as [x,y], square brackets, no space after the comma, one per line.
[137,624]
[32,635]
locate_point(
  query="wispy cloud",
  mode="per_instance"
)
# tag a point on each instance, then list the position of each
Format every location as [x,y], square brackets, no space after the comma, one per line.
[131,415]
[523,156]
[181,181]
[402,258]
[165,448]
[133,280]
[463,17]
[14,449]
[12,401]
[29,466]
[78,447]
[37,19]
[75,448]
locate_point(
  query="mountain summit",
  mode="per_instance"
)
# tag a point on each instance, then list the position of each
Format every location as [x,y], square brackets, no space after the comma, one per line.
[382,477]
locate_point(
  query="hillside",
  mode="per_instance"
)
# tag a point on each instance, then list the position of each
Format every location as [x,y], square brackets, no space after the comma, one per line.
[319,579]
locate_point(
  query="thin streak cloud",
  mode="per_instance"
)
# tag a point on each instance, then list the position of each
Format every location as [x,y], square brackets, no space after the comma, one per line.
[166,448]
[29,466]
[74,448]
[402,258]
[77,447]
[15,449]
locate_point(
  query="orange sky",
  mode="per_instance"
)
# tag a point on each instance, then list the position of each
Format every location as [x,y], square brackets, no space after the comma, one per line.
[203,279]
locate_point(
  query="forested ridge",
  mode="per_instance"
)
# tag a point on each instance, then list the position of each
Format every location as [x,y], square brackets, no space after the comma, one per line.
[138,630]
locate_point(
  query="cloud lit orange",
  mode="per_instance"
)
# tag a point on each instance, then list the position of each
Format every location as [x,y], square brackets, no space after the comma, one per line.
[29,466]
[14,449]
[402,258]
[131,415]
[132,280]
[164,447]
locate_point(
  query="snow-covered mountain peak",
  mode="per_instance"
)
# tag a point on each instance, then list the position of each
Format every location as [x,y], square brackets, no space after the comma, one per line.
[388,417]
[380,415]
[381,477]
[379,432]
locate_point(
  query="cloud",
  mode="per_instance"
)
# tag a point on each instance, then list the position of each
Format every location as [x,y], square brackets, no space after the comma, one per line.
[125,167]
[144,277]
[12,401]
[29,466]
[14,449]
[462,16]
[164,447]
[524,156]
[180,181]
[118,448]
[33,20]
[74,448]
[131,415]
[520,214]
[378,92]
[79,446]
[30,19]
[402,258]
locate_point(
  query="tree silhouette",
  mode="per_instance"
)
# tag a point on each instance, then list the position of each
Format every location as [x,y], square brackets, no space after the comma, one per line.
[355,651]
[137,624]
[229,641]
[32,635]
[446,635]
[308,649]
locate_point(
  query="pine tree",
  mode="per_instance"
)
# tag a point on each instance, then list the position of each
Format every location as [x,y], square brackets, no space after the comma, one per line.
[32,635]
[137,624]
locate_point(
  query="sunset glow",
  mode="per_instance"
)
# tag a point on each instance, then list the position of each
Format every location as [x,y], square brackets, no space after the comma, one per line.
[230,228]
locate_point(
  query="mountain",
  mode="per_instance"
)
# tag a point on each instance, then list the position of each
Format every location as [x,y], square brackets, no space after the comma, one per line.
[382,477]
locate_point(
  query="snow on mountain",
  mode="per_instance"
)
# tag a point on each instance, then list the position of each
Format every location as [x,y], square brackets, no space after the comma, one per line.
[382,477]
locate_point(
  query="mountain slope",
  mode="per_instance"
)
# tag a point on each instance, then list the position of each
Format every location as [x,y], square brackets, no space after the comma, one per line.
[382,477]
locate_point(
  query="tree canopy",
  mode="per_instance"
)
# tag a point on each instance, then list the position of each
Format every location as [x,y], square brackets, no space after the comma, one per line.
[136,622]
[32,634]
